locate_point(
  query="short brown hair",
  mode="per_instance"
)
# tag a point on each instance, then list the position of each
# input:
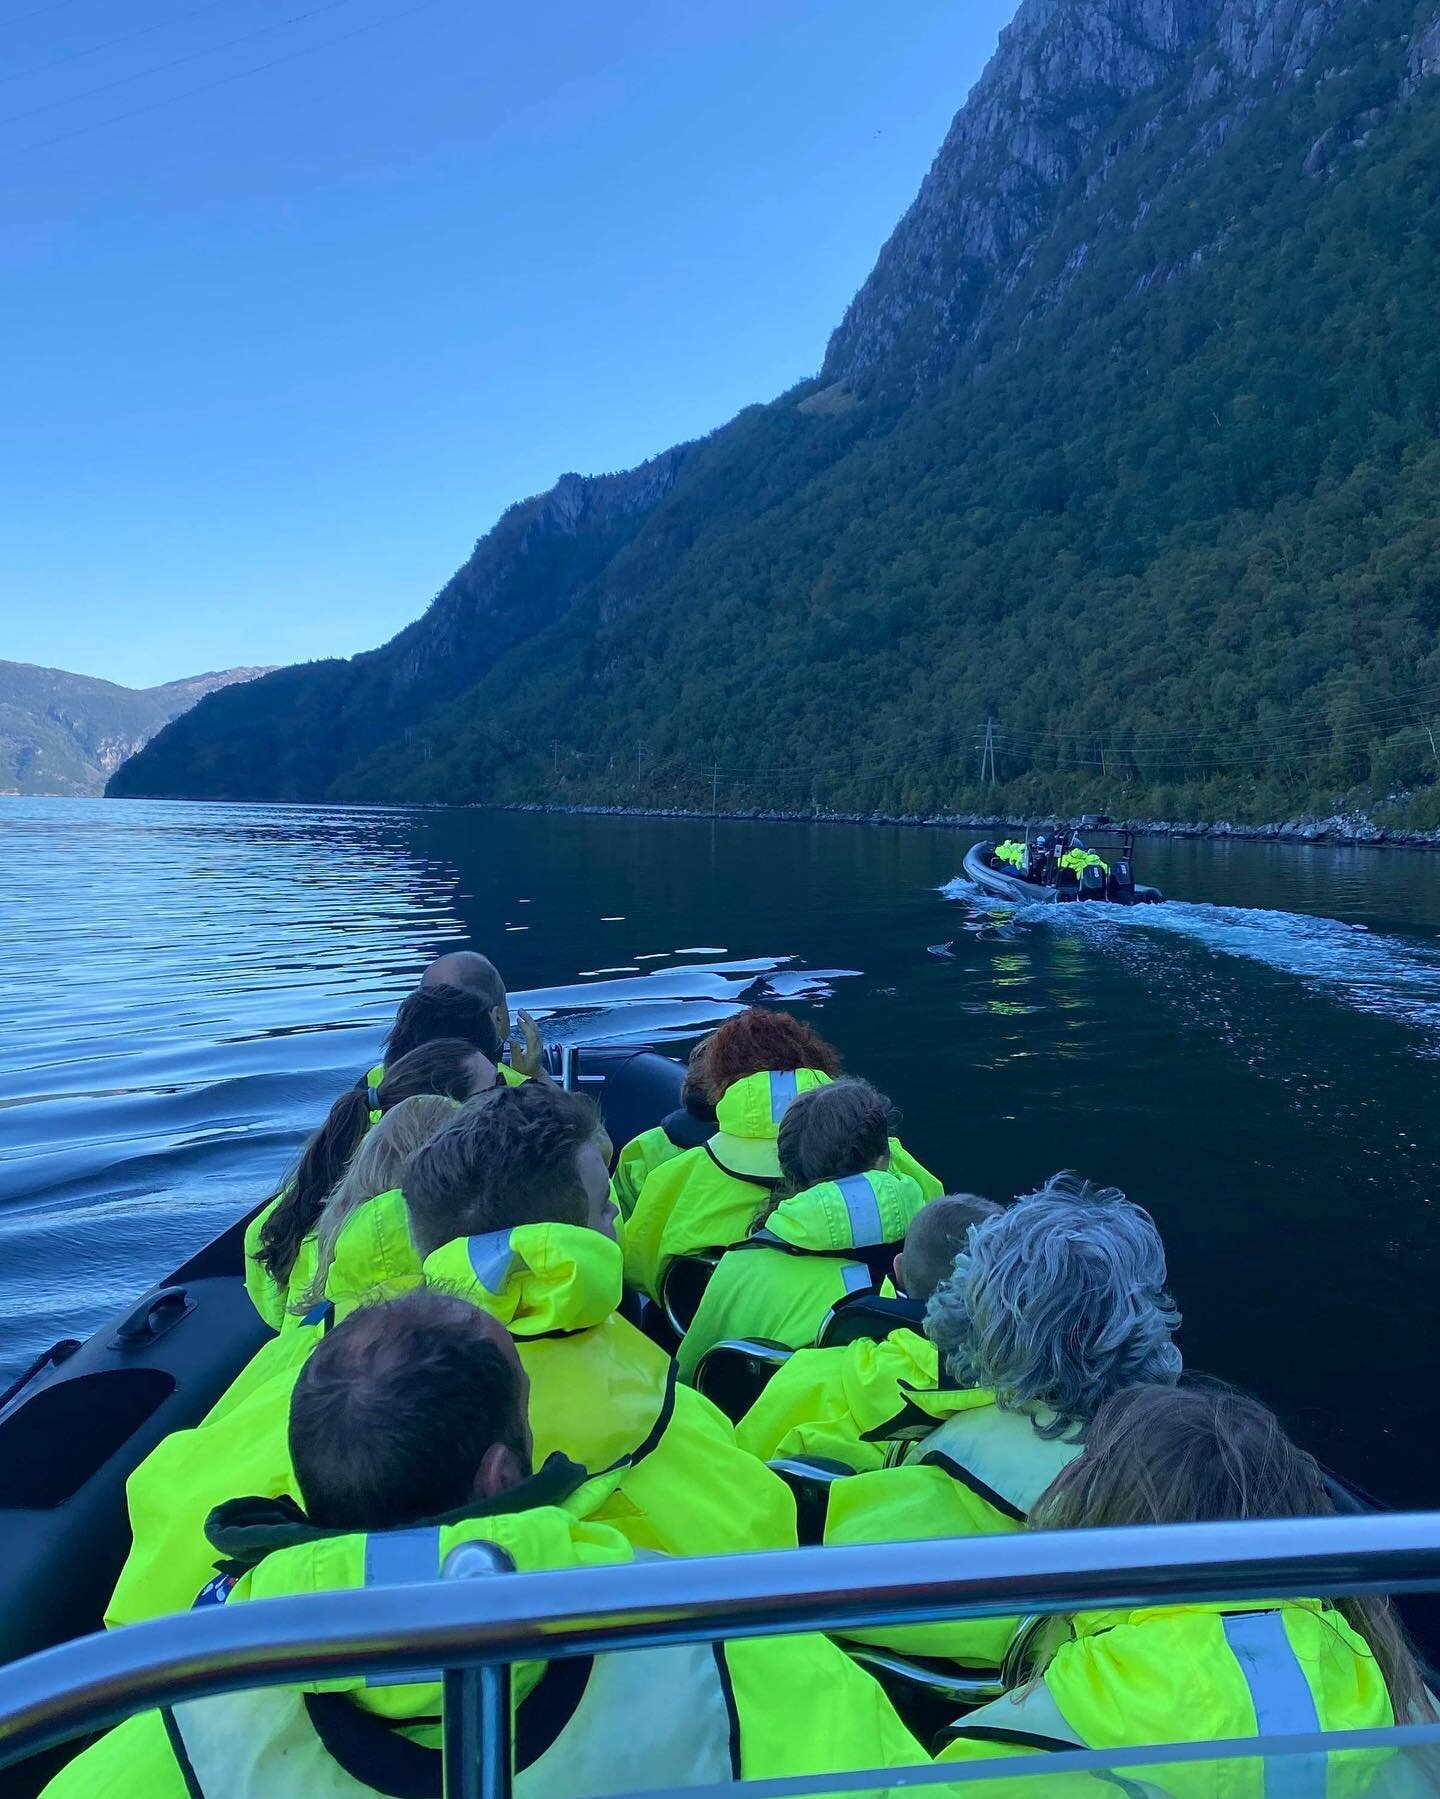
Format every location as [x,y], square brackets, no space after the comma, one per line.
[938,1233]
[395,1410]
[508,1158]
[756,1040]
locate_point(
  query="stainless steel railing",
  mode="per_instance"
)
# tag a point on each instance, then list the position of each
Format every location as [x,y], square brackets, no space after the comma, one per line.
[475,1628]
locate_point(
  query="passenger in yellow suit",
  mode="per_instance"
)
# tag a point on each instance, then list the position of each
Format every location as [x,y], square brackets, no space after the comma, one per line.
[1205,1671]
[841,1403]
[432,1390]
[691,1125]
[755,1065]
[520,1171]
[1056,1304]
[280,1240]
[830,1229]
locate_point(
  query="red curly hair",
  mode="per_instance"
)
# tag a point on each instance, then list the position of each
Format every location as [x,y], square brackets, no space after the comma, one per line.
[756,1040]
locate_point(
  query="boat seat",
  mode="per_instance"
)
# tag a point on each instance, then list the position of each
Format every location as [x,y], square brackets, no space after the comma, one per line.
[733,1374]
[930,1694]
[683,1284]
[861,1315]
[810,1478]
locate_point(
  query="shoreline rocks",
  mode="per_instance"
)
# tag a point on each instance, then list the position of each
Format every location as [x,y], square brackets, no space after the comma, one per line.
[1347,831]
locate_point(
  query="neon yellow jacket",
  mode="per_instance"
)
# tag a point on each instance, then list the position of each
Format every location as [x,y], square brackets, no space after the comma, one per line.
[663,1718]
[1011,852]
[240,1446]
[601,1391]
[271,1301]
[1080,860]
[639,1159]
[841,1403]
[708,1198]
[813,1249]
[976,1472]
[1197,1673]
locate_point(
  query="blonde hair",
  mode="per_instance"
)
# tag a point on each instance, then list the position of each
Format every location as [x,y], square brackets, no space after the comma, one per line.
[374,1169]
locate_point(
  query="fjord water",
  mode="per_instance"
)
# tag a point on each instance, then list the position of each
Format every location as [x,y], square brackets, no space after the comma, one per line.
[188,987]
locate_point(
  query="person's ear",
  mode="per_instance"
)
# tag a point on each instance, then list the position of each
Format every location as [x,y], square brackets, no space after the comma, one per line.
[501,1470]
[897,1271]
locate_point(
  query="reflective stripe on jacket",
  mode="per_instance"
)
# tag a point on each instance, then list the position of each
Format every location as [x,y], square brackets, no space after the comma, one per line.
[1199,1673]
[708,1198]
[834,1238]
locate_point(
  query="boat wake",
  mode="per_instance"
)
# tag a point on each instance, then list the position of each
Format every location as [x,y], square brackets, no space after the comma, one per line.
[1365,970]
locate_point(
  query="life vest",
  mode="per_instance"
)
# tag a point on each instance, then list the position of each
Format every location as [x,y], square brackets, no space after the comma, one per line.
[838,1403]
[977,1473]
[1015,854]
[1207,1672]
[707,1198]
[834,1238]
[602,1392]
[648,1719]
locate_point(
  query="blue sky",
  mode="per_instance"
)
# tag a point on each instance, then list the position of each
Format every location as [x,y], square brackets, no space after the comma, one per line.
[297,295]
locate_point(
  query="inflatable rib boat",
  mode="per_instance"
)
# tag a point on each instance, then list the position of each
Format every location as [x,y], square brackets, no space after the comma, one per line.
[1111,878]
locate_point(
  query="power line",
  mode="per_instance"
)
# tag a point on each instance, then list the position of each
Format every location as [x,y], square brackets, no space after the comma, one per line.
[178,62]
[109,43]
[207,87]
[38,13]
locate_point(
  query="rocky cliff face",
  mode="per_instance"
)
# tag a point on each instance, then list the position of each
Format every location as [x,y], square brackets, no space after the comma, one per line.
[1062,98]
[521,573]
[1140,382]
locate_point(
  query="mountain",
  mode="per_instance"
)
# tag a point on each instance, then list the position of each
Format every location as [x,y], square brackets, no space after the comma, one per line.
[1129,445]
[65,734]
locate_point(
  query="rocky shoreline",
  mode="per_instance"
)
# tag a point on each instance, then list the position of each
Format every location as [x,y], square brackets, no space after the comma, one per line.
[1350,830]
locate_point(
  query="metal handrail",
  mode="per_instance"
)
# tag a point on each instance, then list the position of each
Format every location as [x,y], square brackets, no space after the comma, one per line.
[81,1686]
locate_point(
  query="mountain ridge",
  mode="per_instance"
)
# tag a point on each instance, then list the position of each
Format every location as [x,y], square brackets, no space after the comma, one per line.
[63,734]
[1061,426]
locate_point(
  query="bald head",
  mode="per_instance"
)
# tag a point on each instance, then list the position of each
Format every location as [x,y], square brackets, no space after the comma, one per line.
[409,1409]
[467,968]
[938,1233]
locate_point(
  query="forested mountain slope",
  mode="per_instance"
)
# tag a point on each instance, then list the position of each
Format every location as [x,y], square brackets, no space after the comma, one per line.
[64,734]
[1131,443]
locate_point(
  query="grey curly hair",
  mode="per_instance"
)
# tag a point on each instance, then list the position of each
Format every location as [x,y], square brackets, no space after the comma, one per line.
[1058,1302]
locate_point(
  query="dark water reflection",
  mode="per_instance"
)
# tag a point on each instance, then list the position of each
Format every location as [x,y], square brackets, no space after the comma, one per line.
[188,987]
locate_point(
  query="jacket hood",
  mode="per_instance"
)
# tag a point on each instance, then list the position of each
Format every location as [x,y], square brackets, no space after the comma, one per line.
[536,1278]
[859,1211]
[748,1114]
[374,1256]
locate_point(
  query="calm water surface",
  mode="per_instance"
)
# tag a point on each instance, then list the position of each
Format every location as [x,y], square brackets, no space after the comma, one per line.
[186,988]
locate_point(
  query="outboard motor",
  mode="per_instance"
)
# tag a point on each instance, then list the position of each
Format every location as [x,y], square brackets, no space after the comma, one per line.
[1122,881]
[1092,882]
